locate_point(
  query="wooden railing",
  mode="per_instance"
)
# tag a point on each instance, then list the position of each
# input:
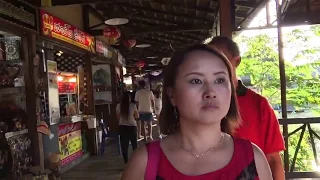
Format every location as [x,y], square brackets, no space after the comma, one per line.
[304,124]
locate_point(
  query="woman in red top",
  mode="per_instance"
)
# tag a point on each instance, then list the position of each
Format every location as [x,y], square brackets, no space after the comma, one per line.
[199,114]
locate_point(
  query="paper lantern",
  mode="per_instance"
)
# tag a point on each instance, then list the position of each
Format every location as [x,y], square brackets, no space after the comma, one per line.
[112,34]
[140,64]
[130,43]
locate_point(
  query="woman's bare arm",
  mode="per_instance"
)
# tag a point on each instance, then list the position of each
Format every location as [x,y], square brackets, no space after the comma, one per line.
[137,165]
[263,168]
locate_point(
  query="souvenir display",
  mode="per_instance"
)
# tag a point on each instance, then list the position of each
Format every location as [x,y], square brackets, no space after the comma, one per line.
[20,151]
[14,143]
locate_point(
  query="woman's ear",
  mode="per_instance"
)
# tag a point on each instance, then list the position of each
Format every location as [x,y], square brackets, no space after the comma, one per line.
[170,94]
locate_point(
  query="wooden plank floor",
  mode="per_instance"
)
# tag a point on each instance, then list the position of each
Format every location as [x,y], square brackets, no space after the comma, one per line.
[104,167]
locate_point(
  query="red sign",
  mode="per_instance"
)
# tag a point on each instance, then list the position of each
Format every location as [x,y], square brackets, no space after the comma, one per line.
[68,128]
[67,87]
[56,28]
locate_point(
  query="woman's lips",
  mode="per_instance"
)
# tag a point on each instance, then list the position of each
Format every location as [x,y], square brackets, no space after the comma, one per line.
[210,107]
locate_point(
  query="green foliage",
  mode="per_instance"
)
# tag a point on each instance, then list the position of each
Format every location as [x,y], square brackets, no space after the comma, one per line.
[305,152]
[260,62]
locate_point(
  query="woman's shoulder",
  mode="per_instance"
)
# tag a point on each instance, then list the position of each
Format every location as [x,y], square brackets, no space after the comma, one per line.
[137,164]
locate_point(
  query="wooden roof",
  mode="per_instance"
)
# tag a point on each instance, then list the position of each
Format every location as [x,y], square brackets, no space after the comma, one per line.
[297,12]
[168,25]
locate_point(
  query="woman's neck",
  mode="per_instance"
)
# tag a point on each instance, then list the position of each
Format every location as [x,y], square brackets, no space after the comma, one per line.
[199,138]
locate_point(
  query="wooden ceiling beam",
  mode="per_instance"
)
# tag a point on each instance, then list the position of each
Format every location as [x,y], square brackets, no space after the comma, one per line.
[246,4]
[185,6]
[257,6]
[140,8]
[141,31]
[173,38]
[84,2]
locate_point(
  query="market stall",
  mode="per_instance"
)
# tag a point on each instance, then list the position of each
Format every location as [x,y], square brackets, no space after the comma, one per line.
[19,146]
[67,103]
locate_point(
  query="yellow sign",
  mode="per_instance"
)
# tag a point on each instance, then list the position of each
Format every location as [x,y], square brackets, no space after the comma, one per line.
[70,146]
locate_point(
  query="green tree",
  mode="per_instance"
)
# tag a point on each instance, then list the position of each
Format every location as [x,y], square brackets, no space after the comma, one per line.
[260,63]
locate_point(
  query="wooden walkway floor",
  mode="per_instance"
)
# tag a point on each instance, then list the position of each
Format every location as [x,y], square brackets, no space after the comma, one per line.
[104,167]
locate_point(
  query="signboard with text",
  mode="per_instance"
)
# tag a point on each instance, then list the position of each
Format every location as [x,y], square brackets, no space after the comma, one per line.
[19,13]
[102,49]
[70,142]
[56,28]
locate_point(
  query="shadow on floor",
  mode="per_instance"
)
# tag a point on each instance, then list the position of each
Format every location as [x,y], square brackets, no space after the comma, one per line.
[104,167]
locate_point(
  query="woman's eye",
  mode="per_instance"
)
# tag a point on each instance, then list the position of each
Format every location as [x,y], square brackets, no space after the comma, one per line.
[219,80]
[196,81]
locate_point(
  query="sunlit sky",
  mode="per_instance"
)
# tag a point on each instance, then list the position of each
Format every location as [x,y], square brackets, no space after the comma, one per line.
[261,20]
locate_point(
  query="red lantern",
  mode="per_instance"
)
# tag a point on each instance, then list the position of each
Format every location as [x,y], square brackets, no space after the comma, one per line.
[140,64]
[112,34]
[130,43]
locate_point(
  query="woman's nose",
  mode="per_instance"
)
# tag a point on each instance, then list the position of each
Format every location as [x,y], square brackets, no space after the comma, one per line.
[209,92]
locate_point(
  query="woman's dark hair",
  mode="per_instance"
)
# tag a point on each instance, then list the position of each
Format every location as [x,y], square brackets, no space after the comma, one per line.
[169,124]
[142,84]
[158,91]
[124,105]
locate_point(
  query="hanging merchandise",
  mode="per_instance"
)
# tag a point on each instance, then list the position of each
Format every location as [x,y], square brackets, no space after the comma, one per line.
[19,144]
[44,129]
[112,34]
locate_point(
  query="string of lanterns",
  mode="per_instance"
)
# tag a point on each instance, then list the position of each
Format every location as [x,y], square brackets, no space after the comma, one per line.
[112,34]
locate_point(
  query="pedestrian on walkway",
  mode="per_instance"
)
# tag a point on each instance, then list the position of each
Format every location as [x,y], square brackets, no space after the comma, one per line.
[145,102]
[158,106]
[127,113]
[259,122]
[199,115]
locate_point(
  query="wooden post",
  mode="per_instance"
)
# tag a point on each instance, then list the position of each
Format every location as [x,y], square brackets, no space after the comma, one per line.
[33,102]
[225,17]
[282,83]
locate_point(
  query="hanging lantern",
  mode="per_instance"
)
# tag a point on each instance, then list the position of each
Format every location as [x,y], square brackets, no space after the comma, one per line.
[130,43]
[112,34]
[140,64]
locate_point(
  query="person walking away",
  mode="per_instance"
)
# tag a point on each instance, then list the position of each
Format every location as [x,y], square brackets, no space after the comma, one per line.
[127,113]
[133,95]
[158,106]
[145,101]
[260,124]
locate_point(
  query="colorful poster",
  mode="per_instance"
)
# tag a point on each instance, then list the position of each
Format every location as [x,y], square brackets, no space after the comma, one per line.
[70,142]
[56,28]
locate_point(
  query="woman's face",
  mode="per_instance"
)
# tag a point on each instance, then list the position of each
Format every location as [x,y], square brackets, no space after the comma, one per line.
[202,90]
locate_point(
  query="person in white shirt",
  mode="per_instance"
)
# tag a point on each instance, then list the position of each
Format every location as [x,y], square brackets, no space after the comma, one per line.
[145,101]
[127,113]
[158,106]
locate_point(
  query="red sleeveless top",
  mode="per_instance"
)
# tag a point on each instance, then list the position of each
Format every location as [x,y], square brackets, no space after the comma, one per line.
[242,165]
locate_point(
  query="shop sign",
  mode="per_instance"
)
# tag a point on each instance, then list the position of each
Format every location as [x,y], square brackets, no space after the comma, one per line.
[19,13]
[102,48]
[70,142]
[67,87]
[56,28]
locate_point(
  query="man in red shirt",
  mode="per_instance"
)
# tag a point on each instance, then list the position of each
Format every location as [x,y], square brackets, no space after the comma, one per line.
[259,122]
